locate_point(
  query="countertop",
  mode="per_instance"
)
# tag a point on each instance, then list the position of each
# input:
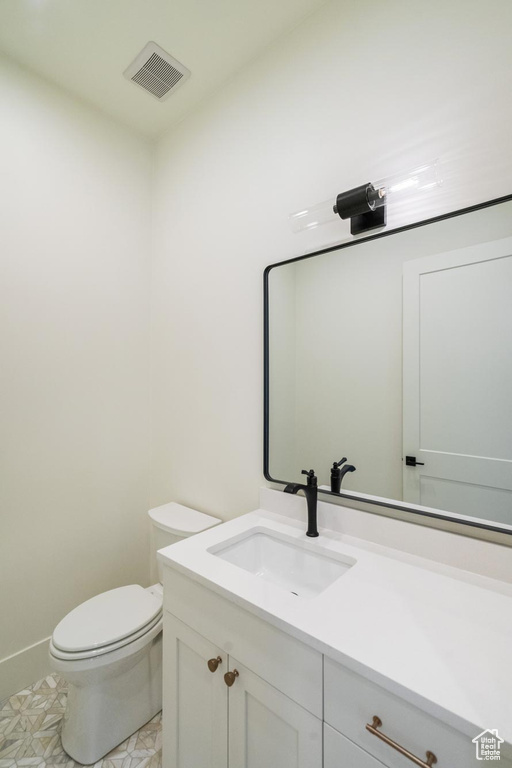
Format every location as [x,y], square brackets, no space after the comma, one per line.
[439,637]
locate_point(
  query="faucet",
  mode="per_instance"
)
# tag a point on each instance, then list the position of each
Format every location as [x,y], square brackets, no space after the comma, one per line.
[338,473]
[311,494]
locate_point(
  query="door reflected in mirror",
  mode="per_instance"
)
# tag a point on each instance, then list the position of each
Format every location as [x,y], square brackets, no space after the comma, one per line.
[394,353]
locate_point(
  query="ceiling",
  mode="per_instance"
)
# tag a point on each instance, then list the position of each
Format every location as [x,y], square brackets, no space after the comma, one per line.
[84,46]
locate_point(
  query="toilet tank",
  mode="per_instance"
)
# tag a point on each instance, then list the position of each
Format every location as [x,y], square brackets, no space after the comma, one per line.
[171,523]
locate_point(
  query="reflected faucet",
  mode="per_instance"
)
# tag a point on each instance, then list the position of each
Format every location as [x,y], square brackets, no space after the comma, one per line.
[338,473]
[311,494]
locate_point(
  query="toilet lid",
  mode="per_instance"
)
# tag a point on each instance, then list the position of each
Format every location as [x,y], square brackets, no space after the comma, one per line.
[181,521]
[107,618]
[148,633]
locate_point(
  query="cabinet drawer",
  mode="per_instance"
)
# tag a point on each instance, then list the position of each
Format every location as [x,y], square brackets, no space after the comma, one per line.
[351,702]
[339,752]
[281,660]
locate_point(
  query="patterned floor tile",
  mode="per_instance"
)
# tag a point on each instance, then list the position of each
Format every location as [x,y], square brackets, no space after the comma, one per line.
[30,725]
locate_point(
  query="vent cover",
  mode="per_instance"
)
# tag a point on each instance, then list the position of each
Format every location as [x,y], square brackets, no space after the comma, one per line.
[157,72]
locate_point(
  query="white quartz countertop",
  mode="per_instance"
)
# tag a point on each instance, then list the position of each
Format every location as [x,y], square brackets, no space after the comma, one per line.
[439,637]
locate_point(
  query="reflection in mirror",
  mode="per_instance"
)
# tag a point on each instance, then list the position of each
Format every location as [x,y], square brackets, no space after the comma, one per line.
[393,352]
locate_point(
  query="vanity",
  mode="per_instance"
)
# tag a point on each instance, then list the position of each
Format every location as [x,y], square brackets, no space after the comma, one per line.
[283,651]
[353,648]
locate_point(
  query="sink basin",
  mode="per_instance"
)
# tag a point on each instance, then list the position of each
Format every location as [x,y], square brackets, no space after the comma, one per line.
[285,562]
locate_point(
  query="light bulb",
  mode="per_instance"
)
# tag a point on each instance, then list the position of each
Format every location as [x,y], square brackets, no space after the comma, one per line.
[313,217]
[402,185]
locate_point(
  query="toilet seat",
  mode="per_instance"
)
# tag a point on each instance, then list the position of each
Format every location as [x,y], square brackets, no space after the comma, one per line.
[91,654]
[106,622]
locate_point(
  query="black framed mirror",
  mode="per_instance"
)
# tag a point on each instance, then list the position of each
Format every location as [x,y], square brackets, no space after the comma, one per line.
[393,351]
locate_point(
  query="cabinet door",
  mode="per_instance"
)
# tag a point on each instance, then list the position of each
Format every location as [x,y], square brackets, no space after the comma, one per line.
[267,729]
[339,752]
[195,700]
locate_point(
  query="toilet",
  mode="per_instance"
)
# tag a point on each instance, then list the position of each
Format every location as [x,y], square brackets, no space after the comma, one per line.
[109,650]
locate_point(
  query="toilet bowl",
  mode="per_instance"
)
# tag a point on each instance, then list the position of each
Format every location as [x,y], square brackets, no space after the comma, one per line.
[109,651]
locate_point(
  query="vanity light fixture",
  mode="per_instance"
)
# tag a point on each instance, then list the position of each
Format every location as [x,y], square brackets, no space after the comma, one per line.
[366,205]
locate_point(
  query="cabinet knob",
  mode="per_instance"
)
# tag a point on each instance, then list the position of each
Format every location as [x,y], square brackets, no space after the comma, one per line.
[214,663]
[230,677]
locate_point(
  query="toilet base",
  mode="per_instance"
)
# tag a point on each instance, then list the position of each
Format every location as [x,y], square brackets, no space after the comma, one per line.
[106,707]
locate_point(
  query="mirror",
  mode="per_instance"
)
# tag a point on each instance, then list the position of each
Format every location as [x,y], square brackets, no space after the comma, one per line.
[394,351]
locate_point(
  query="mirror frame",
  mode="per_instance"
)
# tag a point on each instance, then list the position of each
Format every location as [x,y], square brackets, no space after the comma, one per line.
[363,498]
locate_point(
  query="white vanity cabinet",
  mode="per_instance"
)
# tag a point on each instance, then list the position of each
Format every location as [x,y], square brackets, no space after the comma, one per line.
[260,719]
[288,705]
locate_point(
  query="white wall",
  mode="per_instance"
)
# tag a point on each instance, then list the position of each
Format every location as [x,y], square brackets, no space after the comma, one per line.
[359,91]
[74,288]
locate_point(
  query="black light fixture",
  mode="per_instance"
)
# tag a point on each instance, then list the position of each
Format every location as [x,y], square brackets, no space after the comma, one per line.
[366,205]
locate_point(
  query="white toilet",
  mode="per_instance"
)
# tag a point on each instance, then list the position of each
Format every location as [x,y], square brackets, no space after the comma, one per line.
[109,650]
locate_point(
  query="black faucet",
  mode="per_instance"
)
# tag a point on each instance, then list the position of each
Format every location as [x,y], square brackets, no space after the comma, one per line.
[311,493]
[338,473]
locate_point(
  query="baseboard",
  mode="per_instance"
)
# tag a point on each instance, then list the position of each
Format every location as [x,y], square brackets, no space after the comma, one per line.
[24,668]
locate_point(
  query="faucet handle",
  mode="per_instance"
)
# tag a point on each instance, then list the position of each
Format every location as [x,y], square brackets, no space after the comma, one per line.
[312,479]
[339,463]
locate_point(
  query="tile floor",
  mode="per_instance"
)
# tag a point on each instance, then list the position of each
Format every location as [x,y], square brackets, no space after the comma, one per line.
[30,723]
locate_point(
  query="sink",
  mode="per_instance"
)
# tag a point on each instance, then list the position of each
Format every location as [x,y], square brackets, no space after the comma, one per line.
[299,568]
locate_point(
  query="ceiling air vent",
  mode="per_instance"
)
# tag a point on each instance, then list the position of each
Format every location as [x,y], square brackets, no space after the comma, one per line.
[157,72]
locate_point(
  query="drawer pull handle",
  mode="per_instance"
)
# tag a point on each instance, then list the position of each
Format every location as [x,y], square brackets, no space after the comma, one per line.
[214,663]
[377,722]
[230,677]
